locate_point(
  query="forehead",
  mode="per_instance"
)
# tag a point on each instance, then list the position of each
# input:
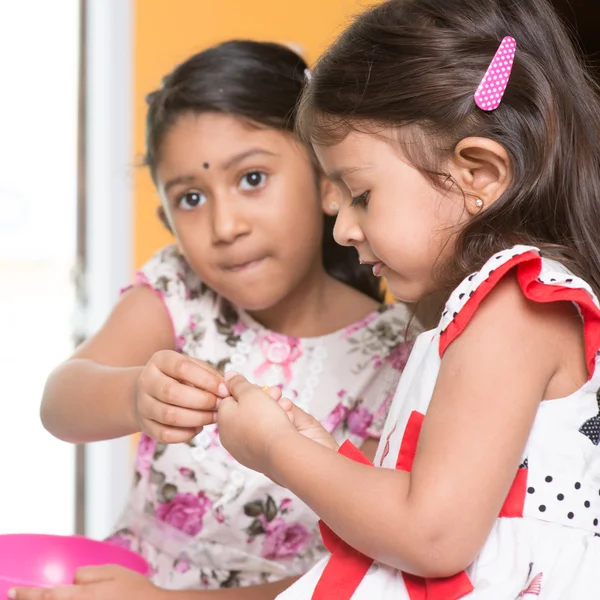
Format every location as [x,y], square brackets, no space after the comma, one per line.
[212,132]
[357,151]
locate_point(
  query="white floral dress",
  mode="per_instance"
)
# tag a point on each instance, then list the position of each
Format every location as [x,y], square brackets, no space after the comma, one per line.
[545,543]
[202,520]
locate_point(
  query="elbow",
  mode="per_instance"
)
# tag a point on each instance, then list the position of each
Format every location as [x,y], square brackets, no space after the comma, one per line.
[50,410]
[47,417]
[439,564]
[440,553]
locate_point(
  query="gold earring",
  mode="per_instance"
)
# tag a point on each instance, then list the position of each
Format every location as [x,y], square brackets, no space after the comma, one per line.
[479,203]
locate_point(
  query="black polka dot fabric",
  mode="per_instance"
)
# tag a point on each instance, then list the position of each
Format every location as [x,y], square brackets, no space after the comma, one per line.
[560,452]
[591,427]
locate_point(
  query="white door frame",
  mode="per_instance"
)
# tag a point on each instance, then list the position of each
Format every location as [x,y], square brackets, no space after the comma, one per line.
[109,231]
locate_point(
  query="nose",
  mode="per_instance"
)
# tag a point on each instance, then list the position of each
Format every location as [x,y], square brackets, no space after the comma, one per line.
[347,230]
[228,220]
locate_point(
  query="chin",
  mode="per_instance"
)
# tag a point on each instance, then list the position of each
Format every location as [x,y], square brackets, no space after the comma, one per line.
[406,291]
[255,300]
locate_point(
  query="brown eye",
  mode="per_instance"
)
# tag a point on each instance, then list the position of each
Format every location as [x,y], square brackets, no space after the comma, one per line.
[253,180]
[191,200]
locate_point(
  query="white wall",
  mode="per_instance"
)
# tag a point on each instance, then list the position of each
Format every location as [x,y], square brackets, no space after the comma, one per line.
[38,120]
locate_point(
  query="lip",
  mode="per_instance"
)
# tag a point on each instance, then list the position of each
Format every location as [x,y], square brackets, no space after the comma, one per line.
[244,266]
[376,264]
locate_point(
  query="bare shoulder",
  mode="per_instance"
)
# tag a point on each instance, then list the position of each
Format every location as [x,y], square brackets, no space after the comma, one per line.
[138,326]
[548,335]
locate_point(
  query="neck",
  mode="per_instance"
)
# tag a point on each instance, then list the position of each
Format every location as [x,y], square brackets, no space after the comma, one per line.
[319,305]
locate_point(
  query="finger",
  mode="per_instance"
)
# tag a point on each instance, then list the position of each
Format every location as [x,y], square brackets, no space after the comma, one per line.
[300,418]
[175,416]
[286,404]
[57,593]
[169,390]
[274,392]
[207,367]
[226,407]
[100,573]
[239,385]
[183,368]
[168,435]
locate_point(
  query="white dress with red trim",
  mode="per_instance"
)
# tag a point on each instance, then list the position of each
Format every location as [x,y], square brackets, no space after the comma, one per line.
[546,541]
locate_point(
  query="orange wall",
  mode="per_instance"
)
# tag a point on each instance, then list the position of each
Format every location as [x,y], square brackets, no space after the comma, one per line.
[168,31]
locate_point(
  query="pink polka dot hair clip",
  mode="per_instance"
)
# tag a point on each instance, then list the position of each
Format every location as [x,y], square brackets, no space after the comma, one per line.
[493,85]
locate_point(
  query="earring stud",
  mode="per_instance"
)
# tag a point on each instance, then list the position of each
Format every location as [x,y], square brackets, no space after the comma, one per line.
[479,203]
[334,207]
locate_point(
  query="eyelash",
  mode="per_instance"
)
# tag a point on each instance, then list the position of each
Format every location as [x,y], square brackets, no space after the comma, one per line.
[363,199]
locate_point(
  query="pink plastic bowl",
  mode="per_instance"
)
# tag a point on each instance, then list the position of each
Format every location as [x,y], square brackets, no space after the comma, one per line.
[31,560]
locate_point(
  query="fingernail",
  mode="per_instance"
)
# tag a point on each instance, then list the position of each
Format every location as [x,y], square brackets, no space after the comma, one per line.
[223,391]
[230,375]
[12,594]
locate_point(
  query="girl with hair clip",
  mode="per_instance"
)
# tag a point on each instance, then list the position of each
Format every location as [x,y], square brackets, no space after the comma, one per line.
[257,282]
[467,135]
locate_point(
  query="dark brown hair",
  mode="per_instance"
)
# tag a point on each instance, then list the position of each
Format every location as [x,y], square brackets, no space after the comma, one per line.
[419,62]
[257,81]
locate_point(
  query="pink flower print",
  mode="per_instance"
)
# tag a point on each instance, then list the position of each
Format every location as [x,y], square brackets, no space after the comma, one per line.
[335,417]
[359,325]
[384,407]
[239,328]
[119,540]
[358,421]
[399,356]
[144,455]
[283,540]
[287,504]
[342,393]
[219,516]
[187,474]
[279,350]
[179,342]
[185,512]
[182,564]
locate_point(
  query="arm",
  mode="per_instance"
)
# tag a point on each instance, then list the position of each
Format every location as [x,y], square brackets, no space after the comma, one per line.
[91,396]
[128,378]
[265,591]
[117,583]
[433,521]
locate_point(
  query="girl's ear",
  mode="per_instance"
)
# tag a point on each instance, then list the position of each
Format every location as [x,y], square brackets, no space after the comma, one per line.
[483,170]
[331,196]
[162,215]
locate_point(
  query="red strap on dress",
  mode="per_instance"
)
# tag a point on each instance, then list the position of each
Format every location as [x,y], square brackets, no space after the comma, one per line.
[347,567]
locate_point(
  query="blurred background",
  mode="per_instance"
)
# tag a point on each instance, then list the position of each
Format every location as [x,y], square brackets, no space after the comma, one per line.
[77,211]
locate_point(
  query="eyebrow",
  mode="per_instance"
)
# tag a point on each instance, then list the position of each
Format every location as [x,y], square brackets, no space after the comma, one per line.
[234,160]
[338,174]
[238,158]
[181,180]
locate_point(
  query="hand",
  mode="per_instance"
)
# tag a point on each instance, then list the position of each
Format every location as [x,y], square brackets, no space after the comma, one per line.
[176,397]
[307,425]
[248,422]
[96,583]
